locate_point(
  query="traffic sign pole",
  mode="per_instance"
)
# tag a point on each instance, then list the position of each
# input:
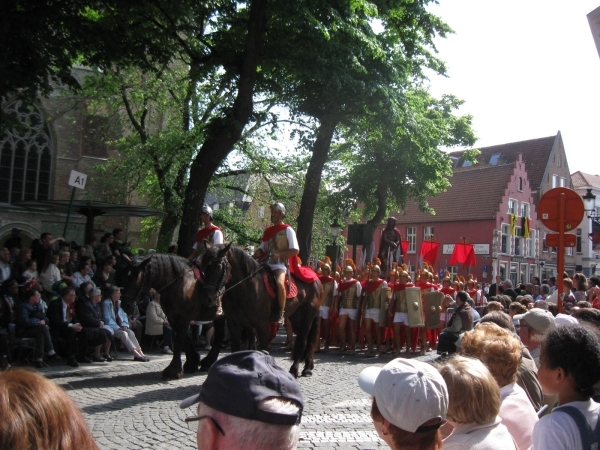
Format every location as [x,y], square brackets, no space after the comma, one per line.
[560,257]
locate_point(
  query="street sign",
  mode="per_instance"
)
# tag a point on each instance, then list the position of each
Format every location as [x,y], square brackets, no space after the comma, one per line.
[77,179]
[548,209]
[552,240]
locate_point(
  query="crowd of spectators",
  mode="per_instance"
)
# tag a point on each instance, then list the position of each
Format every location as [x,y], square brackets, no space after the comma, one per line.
[65,297]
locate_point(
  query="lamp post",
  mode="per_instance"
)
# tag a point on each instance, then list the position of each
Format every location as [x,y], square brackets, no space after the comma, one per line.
[589,206]
[333,250]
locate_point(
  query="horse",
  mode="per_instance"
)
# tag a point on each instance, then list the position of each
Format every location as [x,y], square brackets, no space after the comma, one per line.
[229,271]
[173,277]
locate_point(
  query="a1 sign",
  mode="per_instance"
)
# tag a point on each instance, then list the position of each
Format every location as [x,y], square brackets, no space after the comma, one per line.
[77,179]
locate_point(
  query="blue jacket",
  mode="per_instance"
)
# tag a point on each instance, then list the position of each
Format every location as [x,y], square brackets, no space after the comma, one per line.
[108,315]
[28,316]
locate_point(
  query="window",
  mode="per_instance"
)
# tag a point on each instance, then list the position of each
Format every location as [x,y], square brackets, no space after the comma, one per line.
[261,212]
[503,270]
[514,269]
[467,163]
[427,233]
[523,273]
[530,244]
[524,209]
[411,237]
[563,182]
[25,156]
[453,271]
[512,206]
[578,244]
[518,242]
[559,160]
[569,251]
[554,180]
[494,159]
[505,243]
[532,271]
[545,248]
[520,184]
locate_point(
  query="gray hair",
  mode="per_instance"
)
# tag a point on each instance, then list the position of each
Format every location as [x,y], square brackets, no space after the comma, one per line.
[95,291]
[508,284]
[545,289]
[252,434]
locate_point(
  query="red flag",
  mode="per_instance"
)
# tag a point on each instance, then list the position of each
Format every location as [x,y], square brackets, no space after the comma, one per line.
[429,251]
[404,245]
[463,254]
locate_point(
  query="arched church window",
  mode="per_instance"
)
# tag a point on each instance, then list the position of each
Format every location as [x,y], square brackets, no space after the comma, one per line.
[25,156]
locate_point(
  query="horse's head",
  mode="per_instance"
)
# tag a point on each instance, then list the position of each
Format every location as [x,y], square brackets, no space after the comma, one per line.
[215,273]
[133,283]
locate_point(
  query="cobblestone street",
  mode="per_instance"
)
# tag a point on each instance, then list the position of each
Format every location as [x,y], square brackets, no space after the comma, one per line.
[128,406]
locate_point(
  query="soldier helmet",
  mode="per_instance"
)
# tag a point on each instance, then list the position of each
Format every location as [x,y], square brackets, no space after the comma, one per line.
[403,273]
[206,210]
[326,267]
[278,207]
[348,269]
[375,268]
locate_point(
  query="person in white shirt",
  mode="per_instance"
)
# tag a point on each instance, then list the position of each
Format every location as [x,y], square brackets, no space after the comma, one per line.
[5,266]
[31,271]
[570,368]
[82,276]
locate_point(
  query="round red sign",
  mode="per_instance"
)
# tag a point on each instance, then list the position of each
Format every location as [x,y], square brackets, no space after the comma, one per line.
[549,209]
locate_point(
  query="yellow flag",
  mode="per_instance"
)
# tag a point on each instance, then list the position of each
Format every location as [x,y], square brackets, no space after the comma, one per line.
[513,224]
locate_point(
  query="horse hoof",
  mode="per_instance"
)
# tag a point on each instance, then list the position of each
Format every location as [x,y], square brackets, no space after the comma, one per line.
[172,374]
[307,373]
[294,372]
[190,367]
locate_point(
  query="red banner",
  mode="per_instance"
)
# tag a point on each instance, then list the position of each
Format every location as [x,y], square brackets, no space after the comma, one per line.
[404,245]
[429,251]
[463,254]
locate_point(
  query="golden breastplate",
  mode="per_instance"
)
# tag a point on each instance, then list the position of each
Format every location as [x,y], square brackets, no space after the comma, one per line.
[277,243]
[374,298]
[349,300]
[328,294]
[401,301]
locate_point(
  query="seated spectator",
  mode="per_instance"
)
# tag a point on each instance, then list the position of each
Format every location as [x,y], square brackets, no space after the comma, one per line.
[65,325]
[516,308]
[37,414]
[31,322]
[157,323]
[6,271]
[251,403]
[500,351]
[82,276]
[541,304]
[508,290]
[527,370]
[407,385]
[50,274]
[114,317]
[30,271]
[20,265]
[65,268]
[74,260]
[570,369]
[90,248]
[534,324]
[104,251]
[105,277]
[87,260]
[9,290]
[89,314]
[544,291]
[567,296]
[461,321]
[553,308]
[474,404]
[580,287]
[535,293]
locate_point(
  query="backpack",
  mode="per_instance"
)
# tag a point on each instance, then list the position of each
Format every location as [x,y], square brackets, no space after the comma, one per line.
[589,438]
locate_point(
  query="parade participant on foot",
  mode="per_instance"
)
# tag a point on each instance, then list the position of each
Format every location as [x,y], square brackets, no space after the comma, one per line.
[329,292]
[349,291]
[247,402]
[399,308]
[279,243]
[373,304]
[473,292]
[424,284]
[209,231]
[390,249]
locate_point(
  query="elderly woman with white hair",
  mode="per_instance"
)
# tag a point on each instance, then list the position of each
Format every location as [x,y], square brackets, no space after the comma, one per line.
[90,317]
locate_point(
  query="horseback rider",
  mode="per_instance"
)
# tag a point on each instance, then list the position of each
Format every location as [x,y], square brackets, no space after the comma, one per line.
[210,232]
[279,243]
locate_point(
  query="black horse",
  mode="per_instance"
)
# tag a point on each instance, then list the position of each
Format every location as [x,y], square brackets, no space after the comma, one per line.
[180,293]
[230,272]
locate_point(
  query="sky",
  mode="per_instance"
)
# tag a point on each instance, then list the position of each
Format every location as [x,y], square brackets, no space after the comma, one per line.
[526,69]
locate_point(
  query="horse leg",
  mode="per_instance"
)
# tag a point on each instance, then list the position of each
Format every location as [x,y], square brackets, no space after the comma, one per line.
[192,359]
[209,360]
[235,336]
[301,338]
[309,350]
[174,370]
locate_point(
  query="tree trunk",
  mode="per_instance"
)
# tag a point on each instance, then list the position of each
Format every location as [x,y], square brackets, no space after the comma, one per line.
[165,234]
[223,132]
[320,154]
[381,195]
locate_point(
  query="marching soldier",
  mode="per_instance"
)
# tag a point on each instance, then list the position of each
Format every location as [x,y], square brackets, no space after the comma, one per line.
[329,292]
[279,243]
[399,308]
[209,231]
[349,291]
[374,301]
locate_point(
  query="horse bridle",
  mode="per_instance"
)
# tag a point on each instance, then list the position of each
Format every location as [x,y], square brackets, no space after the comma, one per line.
[219,289]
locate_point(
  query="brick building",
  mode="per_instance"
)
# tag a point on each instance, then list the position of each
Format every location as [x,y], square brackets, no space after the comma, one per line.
[587,254]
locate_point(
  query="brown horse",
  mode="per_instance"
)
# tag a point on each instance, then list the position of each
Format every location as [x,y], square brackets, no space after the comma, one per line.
[229,271]
[173,277]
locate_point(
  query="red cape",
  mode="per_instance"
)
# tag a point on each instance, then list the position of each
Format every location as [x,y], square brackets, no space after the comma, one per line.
[272,231]
[203,233]
[401,287]
[346,284]
[325,279]
[448,291]
[371,286]
[303,273]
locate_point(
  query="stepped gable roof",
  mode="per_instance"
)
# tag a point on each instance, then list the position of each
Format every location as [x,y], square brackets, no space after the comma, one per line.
[475,194]
[535,153]
[581,179]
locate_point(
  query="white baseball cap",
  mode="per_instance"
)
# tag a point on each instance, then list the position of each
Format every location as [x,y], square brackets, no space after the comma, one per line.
[408,393]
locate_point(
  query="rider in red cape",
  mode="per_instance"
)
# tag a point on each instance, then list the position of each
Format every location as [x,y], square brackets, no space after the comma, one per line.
[280,246]
[210,232]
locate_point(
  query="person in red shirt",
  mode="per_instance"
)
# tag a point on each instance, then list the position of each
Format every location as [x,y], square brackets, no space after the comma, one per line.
[329,293]
[209,231]
[349,291]
[373,304]
[400,311]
